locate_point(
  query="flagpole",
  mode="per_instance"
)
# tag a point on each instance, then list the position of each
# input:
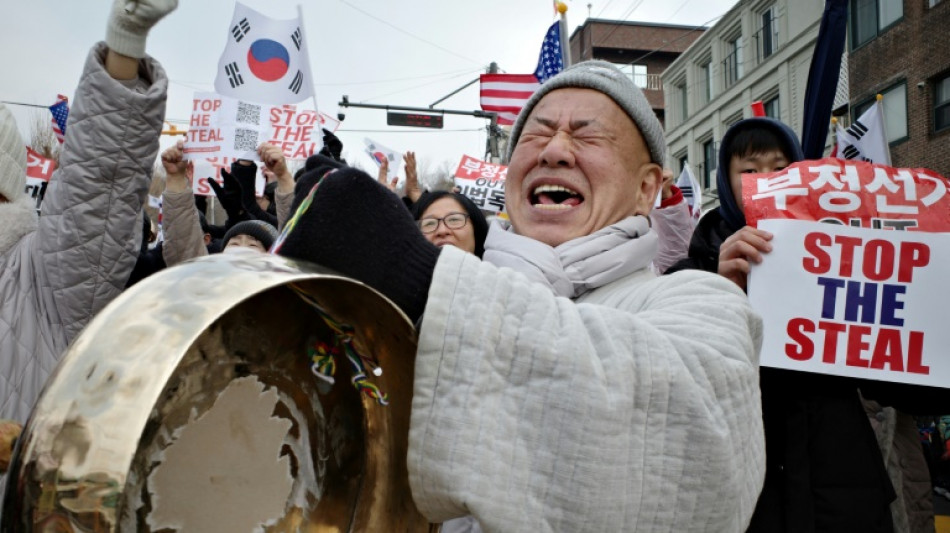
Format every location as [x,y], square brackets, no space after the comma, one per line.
[565,45]
[313,87]
[887,147]
[834,137]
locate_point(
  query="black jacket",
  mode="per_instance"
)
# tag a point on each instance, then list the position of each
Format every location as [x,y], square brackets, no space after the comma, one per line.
[824,470]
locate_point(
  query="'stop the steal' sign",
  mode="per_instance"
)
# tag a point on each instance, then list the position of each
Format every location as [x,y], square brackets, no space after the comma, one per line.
[848,192]
[483,183]
[853,297]
[854,302]
[225,127]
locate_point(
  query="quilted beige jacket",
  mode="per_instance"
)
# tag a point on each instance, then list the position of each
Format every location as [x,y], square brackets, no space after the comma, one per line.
[634,408]
[56,278]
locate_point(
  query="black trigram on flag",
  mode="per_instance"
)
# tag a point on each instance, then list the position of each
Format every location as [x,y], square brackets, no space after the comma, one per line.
[687,191]
[297,38]
[240,29]
[857,130]
[297,83]
[852,152]
[234,74]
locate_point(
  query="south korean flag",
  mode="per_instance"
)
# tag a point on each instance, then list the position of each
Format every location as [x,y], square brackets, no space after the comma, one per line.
[265,60]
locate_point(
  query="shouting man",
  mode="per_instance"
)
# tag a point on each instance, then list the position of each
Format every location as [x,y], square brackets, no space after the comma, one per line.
[560,386]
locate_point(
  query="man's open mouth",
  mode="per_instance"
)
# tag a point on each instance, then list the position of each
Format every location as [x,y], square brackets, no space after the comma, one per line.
[555,197]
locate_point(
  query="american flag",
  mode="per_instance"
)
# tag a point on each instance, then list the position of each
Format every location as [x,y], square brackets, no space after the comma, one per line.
[506,94]
[550,60]
[60,111]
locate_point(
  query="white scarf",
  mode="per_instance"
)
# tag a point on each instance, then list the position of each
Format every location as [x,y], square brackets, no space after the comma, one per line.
[17,218]
[579,265]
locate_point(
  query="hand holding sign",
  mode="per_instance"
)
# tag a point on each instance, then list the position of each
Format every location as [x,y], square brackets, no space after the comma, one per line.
[173,161]
[275,163]
[742,247]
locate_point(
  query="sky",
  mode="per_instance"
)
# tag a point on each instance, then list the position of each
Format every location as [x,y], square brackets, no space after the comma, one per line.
[409,53]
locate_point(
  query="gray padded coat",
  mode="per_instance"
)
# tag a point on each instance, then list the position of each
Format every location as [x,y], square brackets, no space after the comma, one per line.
[56,278]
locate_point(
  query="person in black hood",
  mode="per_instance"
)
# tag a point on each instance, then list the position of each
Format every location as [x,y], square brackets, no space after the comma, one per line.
[824,468]
[756,144]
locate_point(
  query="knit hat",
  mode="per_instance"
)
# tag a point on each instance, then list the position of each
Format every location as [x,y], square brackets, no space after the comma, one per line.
[12,157]
[603,77]
[258,229]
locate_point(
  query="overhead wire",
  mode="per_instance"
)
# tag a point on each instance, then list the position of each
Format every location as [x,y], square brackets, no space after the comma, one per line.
[410,34]
[704,26]
[677,10]
[433,130]
[623,18]
[417,86]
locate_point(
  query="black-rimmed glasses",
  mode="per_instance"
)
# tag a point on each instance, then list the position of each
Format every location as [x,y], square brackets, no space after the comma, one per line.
[452,221]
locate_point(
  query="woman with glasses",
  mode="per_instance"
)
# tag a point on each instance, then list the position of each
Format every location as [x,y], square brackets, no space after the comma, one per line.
[450,218]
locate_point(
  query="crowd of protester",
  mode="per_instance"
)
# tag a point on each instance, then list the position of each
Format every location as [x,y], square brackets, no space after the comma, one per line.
[602,411]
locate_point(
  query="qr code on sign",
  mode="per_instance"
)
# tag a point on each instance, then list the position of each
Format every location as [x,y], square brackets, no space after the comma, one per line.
[248,114]
[245,140]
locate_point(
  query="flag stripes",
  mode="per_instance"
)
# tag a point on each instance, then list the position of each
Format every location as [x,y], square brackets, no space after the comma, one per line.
[60,111]
[506,94]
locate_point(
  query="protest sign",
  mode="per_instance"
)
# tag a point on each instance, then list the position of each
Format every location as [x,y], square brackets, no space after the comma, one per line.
[222,127]
[852,297]
[851,193]
[37,166]
[483,183]
[850,301]
[39,170]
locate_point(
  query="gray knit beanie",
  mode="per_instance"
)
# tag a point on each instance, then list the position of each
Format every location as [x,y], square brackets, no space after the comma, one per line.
[12,157]
[603,77]
[258,229]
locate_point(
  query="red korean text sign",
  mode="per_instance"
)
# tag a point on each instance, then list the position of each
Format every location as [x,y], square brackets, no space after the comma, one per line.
[856,302]
[482,182]
[852,193]
[39,170]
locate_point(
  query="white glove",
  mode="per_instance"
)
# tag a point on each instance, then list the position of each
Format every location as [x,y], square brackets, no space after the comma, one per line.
[130,21]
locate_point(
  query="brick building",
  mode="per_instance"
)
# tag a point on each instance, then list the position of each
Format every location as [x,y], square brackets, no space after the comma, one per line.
[901,49]
[642,50]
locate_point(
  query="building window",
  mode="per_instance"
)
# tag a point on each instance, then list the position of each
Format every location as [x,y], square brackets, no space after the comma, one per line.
[637,73]
[895,111]
[732,119]
[932,3]
[772,109]
[709,164]
[732,64]
[766,39]
[680,89]
[870,17]
[683,160]
[942,104]
[640,76]
[705,82]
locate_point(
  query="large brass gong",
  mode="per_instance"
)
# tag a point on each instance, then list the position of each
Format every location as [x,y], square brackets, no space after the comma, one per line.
[189,404]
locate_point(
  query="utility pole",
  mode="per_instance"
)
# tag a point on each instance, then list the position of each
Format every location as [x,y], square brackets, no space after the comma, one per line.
[495,133]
